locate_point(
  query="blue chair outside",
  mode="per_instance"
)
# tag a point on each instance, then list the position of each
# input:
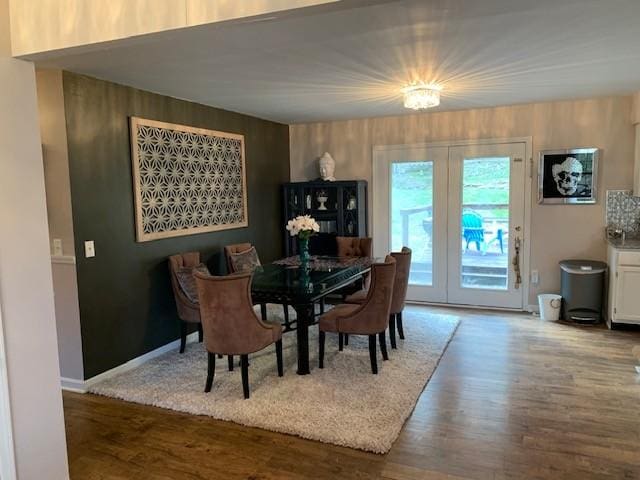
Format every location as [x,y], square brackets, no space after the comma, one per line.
[498,238]
[473,232]
[472,229]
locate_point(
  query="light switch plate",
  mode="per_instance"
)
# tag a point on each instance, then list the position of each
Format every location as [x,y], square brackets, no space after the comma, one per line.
[57,247]
[89,249]
[535,277]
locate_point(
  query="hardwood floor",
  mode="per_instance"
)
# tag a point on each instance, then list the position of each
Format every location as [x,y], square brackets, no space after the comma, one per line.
[512,398]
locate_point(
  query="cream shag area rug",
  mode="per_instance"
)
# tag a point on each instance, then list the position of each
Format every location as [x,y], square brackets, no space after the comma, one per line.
[343,404]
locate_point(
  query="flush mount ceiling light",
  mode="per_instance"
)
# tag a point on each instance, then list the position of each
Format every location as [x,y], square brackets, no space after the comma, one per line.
[419,96]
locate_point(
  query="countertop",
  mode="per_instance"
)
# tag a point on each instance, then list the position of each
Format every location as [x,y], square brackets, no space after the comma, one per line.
[628,244]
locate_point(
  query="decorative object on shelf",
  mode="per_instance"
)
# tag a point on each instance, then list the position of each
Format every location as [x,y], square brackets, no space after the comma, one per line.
[308,201]
[419,96]
[322,198]
[334,220]
[327,166]
[303,226]
[328,226]
[568,176]
[352,204]
[186,180]
[350,228]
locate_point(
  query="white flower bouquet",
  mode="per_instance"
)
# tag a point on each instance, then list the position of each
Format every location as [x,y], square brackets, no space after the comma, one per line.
[304,226]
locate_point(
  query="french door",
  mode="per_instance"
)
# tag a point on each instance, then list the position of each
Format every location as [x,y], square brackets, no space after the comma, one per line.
[460,208]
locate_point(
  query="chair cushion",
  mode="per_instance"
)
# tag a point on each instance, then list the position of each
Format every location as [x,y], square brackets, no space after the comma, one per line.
[359,297]
[329,321]
[246,261]
[187,281]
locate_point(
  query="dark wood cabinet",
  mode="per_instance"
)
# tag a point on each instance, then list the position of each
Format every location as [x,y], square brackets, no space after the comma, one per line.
[339,207]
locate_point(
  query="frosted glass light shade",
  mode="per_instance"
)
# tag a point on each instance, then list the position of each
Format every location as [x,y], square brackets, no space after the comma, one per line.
[421,96]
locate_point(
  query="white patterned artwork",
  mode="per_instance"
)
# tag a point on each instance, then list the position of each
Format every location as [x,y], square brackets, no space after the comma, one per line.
[186,180]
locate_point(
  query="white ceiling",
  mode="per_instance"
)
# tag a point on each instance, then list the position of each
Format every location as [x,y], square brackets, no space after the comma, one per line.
[351,63]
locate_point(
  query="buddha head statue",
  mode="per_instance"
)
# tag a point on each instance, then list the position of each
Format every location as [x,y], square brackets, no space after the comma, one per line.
[327,167]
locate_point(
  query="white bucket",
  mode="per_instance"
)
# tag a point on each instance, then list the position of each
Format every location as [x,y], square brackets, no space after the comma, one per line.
[549,306]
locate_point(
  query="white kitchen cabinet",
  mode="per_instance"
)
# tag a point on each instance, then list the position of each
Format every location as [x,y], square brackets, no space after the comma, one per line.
[624,286]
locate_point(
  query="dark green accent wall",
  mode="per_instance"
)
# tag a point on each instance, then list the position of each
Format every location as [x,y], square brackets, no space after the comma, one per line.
[126,303]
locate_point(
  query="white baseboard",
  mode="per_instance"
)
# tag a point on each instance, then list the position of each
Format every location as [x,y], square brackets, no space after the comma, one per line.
[527,308]
[532,308]
[462,306]
[83,386]
[73,385]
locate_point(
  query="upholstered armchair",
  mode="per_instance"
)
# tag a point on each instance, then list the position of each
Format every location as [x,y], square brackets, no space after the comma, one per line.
[188,308]
[236,263]
[230,325]
[354,246]
[369,318]
[400,285]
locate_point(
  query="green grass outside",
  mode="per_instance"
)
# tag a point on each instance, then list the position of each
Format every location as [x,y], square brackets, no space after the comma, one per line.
[484,182]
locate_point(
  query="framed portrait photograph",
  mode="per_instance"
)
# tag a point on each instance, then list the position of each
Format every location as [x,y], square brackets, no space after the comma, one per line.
[568,176]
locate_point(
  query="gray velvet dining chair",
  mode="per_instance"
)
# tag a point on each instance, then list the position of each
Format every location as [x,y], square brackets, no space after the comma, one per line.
[349,247]
[400,285]
[243,257]
[354,246]
[181,268]
[231,326]
[369,318]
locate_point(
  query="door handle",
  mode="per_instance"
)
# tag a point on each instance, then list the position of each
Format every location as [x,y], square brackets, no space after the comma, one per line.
[517,243]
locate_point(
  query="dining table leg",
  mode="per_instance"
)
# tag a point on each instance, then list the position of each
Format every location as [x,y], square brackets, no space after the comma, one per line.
[305,313]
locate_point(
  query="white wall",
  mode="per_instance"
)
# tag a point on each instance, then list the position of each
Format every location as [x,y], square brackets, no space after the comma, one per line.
[7,454]
[26,293]
[42,25]
[53,132]
[67,308]
[557,231]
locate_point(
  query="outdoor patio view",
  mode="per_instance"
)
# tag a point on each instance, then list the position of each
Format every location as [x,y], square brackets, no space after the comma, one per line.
[484,224]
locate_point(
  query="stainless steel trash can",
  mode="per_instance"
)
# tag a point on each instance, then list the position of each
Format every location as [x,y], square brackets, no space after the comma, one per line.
[582,290]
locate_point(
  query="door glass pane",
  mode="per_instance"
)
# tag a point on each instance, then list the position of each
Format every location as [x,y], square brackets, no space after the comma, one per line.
[485,223]
[412,217]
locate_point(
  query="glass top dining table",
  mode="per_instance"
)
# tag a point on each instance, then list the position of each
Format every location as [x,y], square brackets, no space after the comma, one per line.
[289,282]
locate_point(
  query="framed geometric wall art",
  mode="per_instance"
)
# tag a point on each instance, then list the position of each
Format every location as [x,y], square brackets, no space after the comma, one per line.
[568,176]
[186,180]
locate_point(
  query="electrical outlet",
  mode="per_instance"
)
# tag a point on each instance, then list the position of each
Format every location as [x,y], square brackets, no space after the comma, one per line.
[57,247]
[535,277]
[89,249]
